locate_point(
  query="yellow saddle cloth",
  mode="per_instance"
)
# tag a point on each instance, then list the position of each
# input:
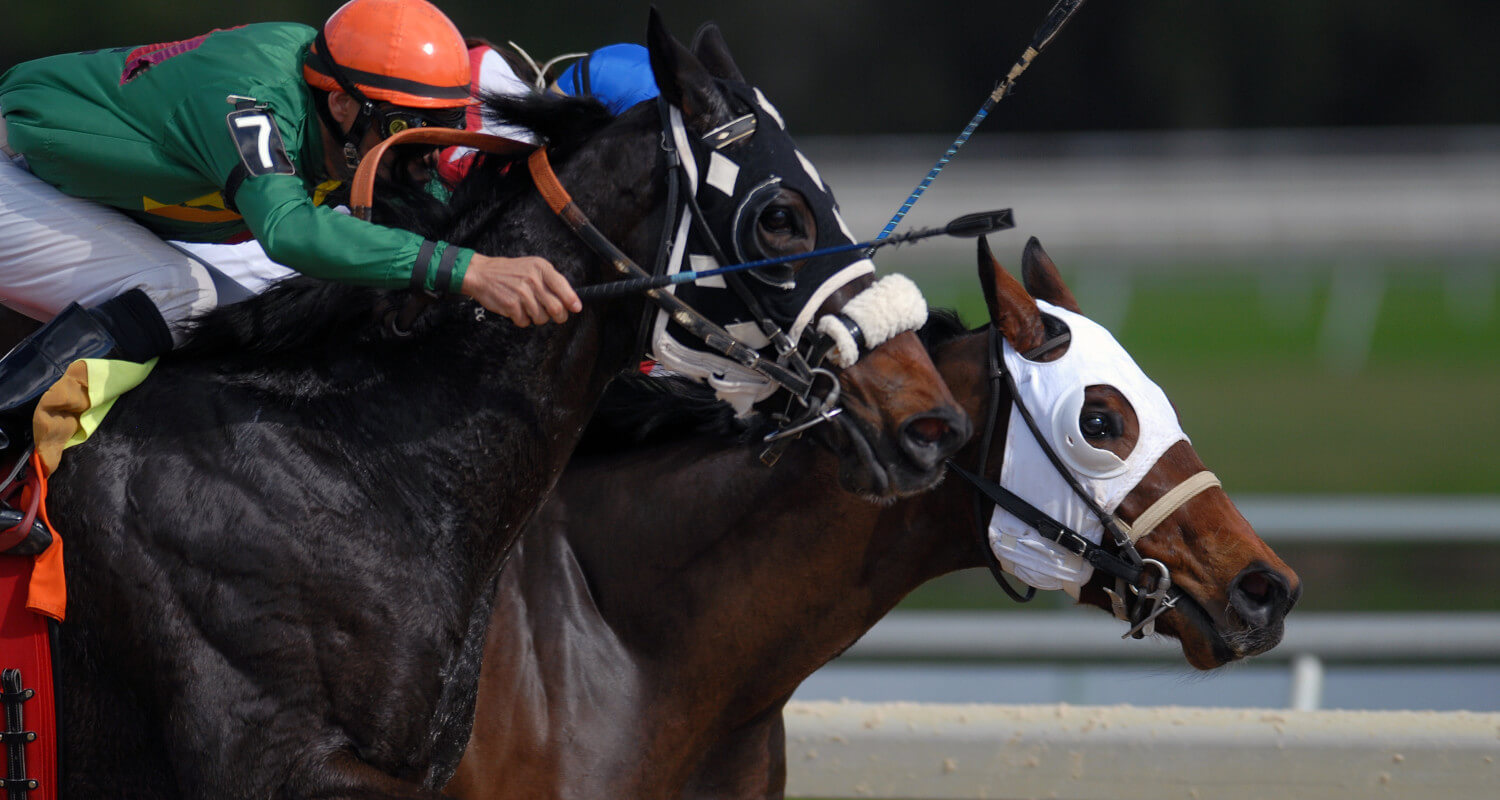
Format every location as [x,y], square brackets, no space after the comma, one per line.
[67,415]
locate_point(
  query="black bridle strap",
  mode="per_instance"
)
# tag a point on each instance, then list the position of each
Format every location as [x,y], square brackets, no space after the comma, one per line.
[1049,528]
[772,331]
[983,510]
[681,313]
[673,163]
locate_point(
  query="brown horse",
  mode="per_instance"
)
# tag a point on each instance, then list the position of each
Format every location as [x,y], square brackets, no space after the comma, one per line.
[668,599]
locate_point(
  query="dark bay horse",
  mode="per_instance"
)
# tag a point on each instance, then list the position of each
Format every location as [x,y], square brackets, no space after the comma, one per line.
[281,549]
[669,598]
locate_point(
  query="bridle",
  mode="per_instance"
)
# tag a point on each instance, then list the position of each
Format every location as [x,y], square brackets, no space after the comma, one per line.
[795,375]
[1143,587]
[810,385]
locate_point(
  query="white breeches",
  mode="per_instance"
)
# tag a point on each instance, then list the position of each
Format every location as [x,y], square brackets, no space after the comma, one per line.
[56,249]
[246,264]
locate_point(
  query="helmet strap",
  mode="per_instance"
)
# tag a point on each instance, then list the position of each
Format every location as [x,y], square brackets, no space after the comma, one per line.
[352,137]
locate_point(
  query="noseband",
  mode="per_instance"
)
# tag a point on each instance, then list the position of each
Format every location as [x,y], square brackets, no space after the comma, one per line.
[1143,586]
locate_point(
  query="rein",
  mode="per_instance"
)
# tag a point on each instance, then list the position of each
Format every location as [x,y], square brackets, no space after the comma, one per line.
[561,203]
[1139,597]
[362,199]
[683,314]
[362,189]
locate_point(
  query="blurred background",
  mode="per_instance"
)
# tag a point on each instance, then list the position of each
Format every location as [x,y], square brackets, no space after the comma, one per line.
[1288,210]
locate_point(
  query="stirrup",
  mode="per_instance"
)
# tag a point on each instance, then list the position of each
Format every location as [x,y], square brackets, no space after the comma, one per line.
[22,531]
[34,541]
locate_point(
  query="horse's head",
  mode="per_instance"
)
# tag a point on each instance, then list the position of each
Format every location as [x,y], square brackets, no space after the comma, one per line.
[1116,445]
[748,194]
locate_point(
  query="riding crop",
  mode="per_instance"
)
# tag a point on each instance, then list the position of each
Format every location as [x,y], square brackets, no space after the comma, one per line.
[967,226]
[1051,26]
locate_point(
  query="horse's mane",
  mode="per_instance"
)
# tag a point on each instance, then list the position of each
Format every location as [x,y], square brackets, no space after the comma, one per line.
[638,410]
[943,325]
[303,313]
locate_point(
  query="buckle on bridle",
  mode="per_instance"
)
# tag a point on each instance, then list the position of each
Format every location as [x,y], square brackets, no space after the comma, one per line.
[793,429]
[1131,603]
[730,132]
[819,409]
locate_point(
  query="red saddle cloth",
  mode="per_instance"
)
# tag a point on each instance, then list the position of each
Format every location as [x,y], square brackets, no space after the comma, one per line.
[25,645]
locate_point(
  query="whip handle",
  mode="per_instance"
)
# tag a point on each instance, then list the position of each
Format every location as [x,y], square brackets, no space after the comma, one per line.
[1050,27]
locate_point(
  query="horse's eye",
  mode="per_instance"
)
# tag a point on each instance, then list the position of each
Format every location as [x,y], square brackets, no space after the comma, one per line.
[1097,425]
[778,219]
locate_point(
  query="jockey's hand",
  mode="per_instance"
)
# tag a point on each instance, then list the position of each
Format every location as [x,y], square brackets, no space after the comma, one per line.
[528,290]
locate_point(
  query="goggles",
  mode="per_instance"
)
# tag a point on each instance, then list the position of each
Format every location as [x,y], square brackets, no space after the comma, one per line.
[395,119]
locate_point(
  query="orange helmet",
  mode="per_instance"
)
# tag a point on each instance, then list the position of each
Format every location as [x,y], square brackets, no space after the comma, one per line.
[404,52]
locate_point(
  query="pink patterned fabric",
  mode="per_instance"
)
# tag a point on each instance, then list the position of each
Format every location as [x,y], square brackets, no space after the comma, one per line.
[147,56]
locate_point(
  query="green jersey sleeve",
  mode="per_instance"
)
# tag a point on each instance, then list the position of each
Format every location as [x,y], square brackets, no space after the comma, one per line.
[257,153]
[322,242]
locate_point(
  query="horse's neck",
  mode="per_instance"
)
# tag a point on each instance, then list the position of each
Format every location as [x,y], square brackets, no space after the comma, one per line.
[687,543]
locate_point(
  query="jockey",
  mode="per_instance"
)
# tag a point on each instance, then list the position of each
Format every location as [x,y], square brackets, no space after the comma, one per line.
[236,133]
[618,75]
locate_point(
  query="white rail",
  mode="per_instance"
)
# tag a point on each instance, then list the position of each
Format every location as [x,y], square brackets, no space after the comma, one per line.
[935,752]
[1373,519]
[1081,635]
[1078,637]
[1150,197]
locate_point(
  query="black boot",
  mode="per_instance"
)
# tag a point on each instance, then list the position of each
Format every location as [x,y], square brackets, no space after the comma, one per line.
[128,327]
[39,361]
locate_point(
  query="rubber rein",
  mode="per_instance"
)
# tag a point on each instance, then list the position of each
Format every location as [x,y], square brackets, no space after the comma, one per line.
[561,203]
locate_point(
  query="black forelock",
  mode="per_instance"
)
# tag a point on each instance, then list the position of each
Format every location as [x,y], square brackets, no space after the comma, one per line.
[638,410]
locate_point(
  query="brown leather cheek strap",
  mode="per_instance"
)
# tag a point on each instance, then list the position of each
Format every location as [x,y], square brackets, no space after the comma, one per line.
[362,192]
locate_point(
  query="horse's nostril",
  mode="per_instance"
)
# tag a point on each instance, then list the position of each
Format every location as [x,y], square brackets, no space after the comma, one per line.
[1256,586]
[929,438]
[927,430]
[1260,597]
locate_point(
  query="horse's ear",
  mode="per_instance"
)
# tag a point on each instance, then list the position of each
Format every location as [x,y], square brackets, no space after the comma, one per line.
[711,49]
[1042,279]
[1011,309]
[682,78]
